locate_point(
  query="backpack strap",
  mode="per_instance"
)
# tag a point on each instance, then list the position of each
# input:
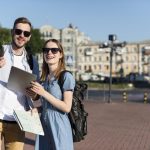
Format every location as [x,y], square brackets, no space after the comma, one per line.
[29,57]
[34,66]
[61,79]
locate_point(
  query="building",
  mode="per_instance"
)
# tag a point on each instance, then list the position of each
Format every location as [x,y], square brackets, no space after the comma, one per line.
[70,38]
[82,55]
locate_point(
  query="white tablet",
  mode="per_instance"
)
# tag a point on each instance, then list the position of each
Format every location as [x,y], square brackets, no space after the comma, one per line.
[19,79]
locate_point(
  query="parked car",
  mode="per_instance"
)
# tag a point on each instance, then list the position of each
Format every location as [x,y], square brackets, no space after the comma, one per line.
[115,80]
[85,76]
[94,77]
[132,77]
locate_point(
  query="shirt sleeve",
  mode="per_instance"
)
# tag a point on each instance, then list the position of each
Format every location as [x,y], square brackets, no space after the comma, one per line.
[69,82]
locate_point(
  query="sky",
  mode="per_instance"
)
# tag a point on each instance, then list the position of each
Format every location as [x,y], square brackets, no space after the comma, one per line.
[128,19]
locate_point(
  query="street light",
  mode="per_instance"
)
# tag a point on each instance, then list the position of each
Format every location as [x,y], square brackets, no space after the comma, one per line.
[113,45]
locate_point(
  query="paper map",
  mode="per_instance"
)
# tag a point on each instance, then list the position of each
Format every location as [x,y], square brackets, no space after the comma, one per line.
[28,122]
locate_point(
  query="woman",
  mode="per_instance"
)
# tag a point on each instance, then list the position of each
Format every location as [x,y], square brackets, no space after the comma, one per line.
[55,103]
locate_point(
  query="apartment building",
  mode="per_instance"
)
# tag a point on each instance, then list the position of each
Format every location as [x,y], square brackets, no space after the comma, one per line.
[145,47]
[82,55]
[70,38]
[126,60]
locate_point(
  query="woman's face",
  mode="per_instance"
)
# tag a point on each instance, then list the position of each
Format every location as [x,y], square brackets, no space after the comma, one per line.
[52,53]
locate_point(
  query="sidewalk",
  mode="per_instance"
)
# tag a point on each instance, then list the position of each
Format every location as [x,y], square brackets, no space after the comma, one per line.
[117,126]
[113,126]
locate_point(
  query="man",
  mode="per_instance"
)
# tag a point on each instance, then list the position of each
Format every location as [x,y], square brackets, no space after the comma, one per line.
[16,55]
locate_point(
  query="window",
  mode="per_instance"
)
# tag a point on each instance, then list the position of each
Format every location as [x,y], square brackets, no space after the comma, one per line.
[106,67]
[100,67]
[127,58]
[100,59]
[47,34]
[135,67]
[107,58]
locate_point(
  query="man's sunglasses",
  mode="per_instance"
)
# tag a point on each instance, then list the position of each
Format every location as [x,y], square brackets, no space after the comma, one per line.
[53,50]
[25,33]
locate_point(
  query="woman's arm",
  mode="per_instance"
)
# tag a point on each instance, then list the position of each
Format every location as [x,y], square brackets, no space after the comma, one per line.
[64,105]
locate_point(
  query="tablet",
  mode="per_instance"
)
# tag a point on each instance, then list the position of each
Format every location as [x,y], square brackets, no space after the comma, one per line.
[19,79]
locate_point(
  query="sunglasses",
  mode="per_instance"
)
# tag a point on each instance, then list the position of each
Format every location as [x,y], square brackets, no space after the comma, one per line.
[25,33]
[53,50]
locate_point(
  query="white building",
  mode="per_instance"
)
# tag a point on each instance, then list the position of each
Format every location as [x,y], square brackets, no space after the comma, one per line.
[82,55]
[70,38]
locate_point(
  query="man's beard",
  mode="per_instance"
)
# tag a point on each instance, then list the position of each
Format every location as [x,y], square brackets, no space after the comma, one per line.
[16,46]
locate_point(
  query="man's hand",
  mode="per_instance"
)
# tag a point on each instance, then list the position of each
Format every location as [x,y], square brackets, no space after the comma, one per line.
[2,62]
[32,94]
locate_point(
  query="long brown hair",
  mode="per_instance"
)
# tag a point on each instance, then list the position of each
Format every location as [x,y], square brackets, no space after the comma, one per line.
[61,65]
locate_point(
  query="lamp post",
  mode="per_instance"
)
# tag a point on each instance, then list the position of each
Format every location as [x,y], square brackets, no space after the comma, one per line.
[113,45]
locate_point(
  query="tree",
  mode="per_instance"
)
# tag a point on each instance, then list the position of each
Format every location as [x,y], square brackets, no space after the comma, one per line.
[5,36]
[36,43]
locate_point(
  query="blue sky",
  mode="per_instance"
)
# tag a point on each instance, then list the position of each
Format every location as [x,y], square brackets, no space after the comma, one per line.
[128,19]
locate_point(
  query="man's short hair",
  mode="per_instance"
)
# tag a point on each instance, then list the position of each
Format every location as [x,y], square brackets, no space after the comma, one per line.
[22,20]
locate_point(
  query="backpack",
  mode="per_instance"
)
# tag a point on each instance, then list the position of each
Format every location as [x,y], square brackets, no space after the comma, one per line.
[77,116]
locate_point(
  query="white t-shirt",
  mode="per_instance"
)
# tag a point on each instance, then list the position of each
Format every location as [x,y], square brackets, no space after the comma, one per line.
[18,61]
[12,100]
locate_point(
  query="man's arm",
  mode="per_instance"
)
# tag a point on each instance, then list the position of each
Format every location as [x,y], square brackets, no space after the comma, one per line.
[2,61]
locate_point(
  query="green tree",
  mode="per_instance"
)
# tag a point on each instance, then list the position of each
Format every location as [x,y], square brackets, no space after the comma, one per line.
[36,43]
[5,35]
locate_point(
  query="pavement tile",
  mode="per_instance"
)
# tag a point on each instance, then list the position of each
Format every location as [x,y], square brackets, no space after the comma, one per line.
[113,126]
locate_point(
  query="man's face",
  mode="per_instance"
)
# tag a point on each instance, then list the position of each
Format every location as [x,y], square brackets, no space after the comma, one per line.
[21,35]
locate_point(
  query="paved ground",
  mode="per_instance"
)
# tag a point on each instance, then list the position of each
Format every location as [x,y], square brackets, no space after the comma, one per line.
[113,126]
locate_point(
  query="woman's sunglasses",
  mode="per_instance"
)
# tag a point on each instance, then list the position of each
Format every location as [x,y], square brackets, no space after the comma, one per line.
[53,50]
[25,33]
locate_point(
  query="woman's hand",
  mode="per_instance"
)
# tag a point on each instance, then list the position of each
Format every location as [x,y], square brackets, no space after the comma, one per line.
[37,88]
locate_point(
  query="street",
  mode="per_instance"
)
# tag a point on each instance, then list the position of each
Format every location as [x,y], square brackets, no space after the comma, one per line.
[136,95]
[113,126]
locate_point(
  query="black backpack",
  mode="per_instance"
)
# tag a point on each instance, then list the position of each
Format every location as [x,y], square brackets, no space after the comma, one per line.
[77,115]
